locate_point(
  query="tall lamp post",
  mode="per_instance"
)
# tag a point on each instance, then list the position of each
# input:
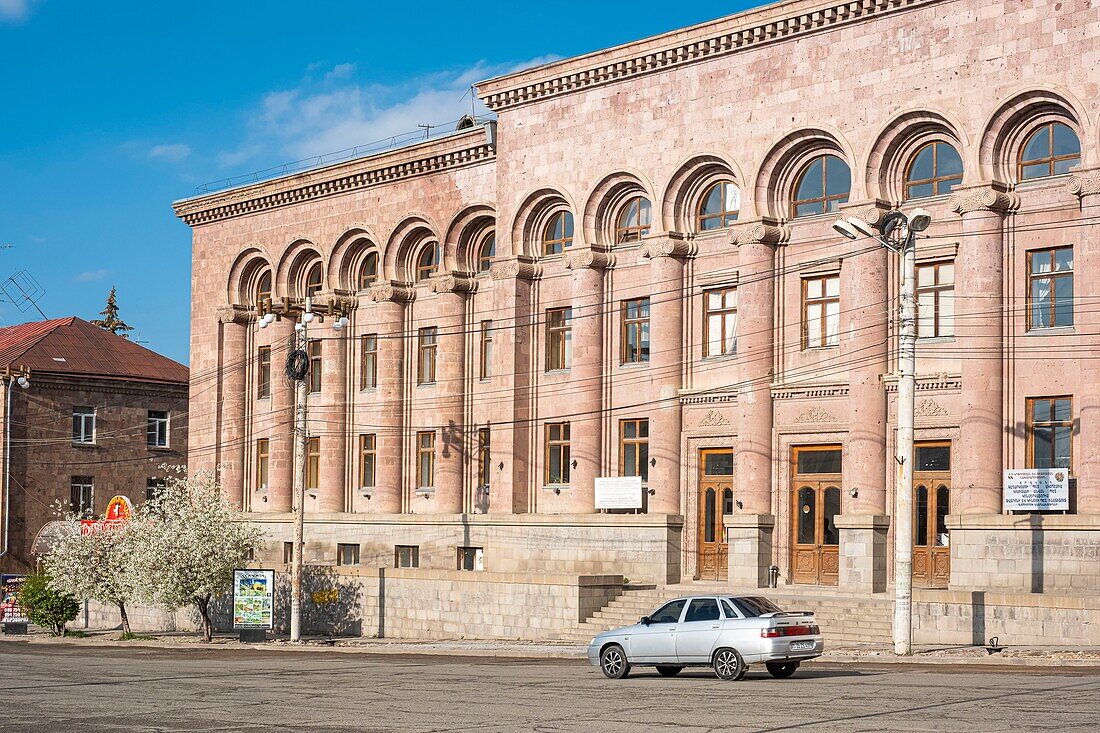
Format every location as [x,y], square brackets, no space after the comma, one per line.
[10,377]
[297,370]
[897,232]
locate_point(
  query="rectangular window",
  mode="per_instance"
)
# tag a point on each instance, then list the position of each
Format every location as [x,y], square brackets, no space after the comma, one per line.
[427,339]
[557,453]
[486,350]
[720,322]
[263,373]
[368,456]
[635,320]
[820,312]
[634,448]
[425,460]
[313,464]
[406,556]
[262,452]
[471,558]
[156,433]
[936,300]
[484,469]
[819,460]
[368,361]
[1050,432]
[153,487]
[1050,288]
[559,338]
[84,425]
[315,365]
[347,554]
[288,552]
[81,496]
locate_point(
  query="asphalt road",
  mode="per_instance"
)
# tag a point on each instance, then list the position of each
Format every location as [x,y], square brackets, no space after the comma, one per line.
[60,688]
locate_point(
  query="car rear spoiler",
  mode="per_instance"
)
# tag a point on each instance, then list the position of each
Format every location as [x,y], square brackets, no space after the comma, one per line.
[779,614]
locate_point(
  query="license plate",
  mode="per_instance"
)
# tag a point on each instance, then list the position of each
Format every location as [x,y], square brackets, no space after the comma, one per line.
[797,646]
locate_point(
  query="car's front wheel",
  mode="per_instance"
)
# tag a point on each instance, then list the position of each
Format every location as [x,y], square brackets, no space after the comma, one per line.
[613,662]
[669,670]
[781,670]
[729,665]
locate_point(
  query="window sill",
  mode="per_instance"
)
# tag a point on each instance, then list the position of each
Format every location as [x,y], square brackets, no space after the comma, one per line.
[485,380]
[263,398]
[425,491]
[558,488]
[1049,331]
[554,372]
[80,444]
[719,357]
[159,448]
[933,340]
[368,389]
[425,384]
[634,365]
[820,348]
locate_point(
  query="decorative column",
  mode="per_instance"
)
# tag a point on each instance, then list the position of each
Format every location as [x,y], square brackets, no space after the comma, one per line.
[979,326]
[450,374]
[749,530]
[1086,264]
[280,432]
[585,404]
[230,429]
[864,343]
[666,312]
[333,412]
[389,413]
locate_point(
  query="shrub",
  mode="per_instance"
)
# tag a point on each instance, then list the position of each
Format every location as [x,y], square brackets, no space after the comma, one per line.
[45,606]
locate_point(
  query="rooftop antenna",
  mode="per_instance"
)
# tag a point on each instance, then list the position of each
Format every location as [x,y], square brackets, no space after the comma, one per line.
[23,291]
[427,130]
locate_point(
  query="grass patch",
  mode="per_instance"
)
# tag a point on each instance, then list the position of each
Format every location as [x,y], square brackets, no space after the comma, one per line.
[75,634]
[135,637]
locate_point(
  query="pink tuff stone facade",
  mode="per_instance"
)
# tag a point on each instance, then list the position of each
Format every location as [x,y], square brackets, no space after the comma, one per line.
[750,99]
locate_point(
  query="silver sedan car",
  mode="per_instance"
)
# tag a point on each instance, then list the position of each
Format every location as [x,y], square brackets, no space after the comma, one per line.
[727,633]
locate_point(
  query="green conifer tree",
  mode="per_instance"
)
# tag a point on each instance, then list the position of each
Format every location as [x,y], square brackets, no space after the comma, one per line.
[110,321]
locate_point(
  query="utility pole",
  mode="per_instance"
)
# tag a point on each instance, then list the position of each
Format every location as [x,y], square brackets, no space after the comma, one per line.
[10,378]
[897,232]
[301,435]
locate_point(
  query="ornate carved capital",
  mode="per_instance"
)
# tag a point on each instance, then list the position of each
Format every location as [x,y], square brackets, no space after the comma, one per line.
[519,268]
[1085,184]
[761,231]
[587,257]
[393,291]
[670,245]
[451,283]
[870,211]
[240,314]
[334,300]
[994,197]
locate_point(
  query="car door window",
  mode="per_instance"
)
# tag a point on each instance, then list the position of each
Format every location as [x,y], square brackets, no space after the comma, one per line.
[668,613]
[727,609]
[702,609]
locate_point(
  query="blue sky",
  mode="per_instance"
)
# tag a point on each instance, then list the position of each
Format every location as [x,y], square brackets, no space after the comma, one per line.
[112,110]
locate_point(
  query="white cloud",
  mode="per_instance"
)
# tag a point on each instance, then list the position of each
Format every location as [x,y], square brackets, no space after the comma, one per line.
[173,153]
[91,276]
[320,117]
[15,10]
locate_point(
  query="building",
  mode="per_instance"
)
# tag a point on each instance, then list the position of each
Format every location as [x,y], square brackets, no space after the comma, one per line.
[633,271]
[99,417]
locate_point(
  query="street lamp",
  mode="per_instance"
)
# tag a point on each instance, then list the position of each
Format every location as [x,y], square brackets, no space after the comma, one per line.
[897,232]
[10,377]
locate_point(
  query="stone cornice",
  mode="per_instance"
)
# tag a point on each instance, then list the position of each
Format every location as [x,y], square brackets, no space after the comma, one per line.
[391,291]
[1085,183]
[434,156]
[927,383]
[519,268]
[672,244]
[994,197]
[715,39]
[759,231]
[587,257]
[809,391]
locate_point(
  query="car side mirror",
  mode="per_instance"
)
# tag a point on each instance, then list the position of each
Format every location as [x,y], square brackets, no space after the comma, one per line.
[644,621]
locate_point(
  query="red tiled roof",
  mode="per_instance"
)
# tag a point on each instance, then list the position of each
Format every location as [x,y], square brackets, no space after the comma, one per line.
[74,346]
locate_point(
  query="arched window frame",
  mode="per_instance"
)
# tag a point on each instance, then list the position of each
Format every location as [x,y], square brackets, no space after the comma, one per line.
[829,202]
[314,279]
[263,286]
[427,261]
[1056,164]
[486,252]
[368,270]
[725,217]
[635,206]
[938,181]
[552,245]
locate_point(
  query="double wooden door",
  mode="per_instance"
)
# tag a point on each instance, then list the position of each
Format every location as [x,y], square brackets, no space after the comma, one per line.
[816,540]
[931,505]
[715,499]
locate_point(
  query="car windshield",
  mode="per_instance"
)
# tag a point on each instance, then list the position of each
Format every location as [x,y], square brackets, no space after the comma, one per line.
[753,606]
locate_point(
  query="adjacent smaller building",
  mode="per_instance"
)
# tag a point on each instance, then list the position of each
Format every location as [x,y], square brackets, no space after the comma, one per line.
[99,417]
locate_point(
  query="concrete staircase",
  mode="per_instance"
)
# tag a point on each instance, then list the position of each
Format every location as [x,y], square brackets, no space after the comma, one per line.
[845,619]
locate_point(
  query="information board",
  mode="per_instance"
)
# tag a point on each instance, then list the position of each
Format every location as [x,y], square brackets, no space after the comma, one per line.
[619,492]
[253,599]
[1036,489]
[10,612]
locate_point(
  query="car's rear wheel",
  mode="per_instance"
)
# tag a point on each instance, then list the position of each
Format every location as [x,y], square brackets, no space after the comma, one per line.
[613,662]
[669,670]
[729,665]
[781,670]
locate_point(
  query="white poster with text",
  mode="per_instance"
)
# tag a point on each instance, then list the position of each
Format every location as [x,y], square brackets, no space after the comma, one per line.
[1036,489]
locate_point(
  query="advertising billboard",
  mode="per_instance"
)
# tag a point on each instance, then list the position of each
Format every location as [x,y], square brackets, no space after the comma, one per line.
[253,599]
[10,613]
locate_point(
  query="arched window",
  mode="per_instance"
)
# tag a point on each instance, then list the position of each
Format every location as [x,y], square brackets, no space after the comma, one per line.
[718,207]
[559,233]
[633,223]
[314,279]
[263,287]
[1049,151]
[427,261]
[933,170]
[822,186]
[368,273]
[486,252]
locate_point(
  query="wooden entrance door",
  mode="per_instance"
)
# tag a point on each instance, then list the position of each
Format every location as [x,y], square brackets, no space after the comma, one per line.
[931,505]
[715,499]
[815,503]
